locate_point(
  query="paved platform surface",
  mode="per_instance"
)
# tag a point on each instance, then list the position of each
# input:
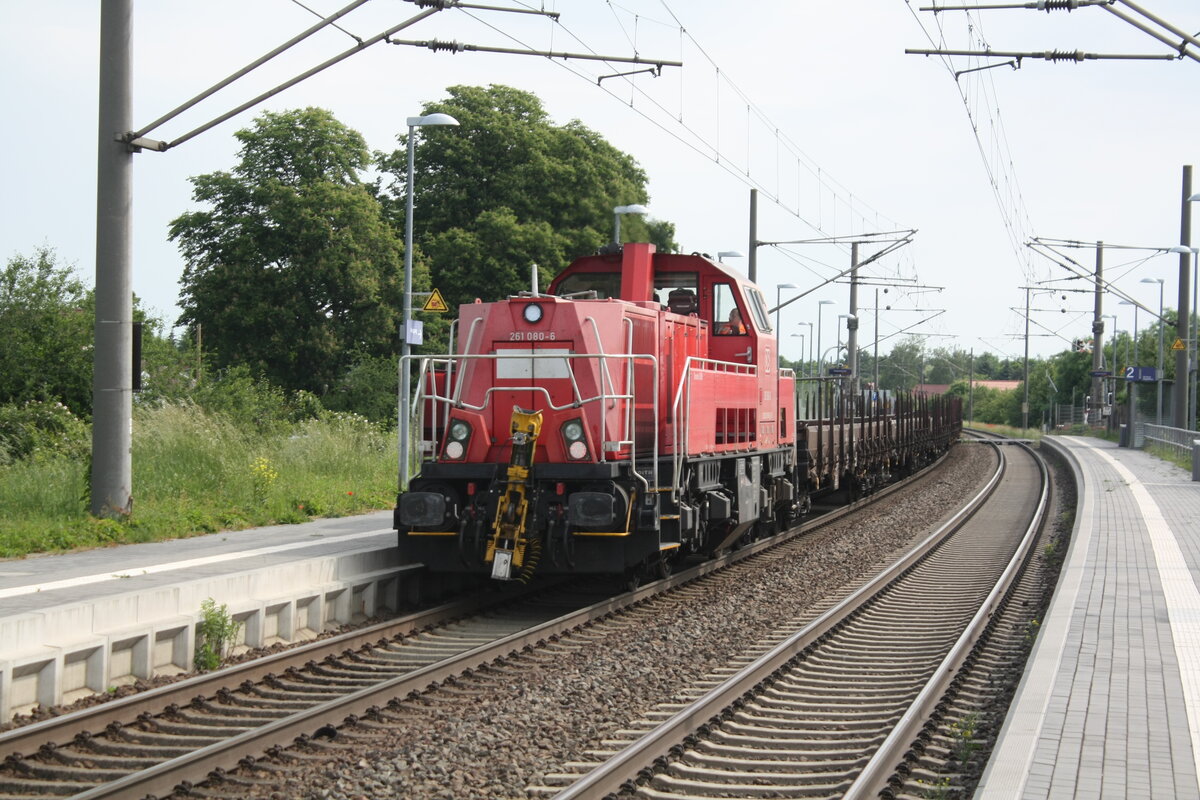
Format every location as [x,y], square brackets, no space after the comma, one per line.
[1109,705]
[32,584]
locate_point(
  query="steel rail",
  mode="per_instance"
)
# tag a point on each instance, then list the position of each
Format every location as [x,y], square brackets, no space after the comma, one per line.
[877,774]
[610,777]
[197,765]
[30,737]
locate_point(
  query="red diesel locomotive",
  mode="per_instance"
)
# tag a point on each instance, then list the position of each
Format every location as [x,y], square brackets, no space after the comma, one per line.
[632,415]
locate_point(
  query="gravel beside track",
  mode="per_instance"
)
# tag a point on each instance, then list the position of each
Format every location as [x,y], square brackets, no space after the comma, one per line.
[530,715]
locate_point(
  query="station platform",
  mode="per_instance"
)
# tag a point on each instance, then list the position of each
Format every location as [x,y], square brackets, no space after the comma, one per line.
[76,623]
[1109,704]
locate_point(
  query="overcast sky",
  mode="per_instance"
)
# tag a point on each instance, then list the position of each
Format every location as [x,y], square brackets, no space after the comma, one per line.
[812,101]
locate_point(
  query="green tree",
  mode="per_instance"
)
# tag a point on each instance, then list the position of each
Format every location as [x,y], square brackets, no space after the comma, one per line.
[292,268]
[46,321]
[901,369]
[507,188]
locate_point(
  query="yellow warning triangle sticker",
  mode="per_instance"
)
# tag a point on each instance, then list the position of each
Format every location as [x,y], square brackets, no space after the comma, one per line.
[435,302]
[1178,345]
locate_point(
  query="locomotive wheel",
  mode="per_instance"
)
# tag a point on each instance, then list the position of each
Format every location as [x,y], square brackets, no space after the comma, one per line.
[633,579]
[662,567]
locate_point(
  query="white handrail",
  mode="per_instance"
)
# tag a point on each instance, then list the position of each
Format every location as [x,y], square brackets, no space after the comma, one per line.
[606,396]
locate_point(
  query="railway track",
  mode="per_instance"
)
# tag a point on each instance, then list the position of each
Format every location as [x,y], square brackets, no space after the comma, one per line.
[149,744]
[833,710]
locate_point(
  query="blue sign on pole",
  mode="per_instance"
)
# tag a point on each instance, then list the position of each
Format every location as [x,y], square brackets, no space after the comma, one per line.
[1141,374]
[1100,373]
[839,370]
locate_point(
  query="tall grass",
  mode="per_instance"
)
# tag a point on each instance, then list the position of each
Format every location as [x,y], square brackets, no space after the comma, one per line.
[198,471]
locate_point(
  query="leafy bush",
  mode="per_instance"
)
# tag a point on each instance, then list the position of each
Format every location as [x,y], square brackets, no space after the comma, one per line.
[46,326]
[215,635]
[368,388]
[40,430]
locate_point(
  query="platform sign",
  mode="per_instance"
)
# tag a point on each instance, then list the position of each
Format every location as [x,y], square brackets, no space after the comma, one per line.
[1100,373]
[436,302]
[416,333]
[1141,374]
[839,371]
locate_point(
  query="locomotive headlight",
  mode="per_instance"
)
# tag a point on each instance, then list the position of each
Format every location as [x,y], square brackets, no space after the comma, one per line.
[572,432]
[533,313]
[456,439]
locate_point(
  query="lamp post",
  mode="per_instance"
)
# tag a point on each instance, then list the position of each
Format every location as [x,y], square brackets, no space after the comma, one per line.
[405,367]
[803,372]
[779,287]
[1131,356]
[1112,367]
[617,212]
[1131,359]
[1161,325]
[1195,198]
[820,366]
[808,371]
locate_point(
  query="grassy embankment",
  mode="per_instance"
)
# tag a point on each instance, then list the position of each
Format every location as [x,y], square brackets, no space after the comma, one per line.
[196,471]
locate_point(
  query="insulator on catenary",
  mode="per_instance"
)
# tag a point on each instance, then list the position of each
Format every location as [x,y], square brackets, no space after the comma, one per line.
[1057,5]
[1064,55]
[453,47]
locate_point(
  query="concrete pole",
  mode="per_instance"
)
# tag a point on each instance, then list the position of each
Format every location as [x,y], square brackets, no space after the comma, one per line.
[1158,420]
[1025,402]
[753,264]
[876,339]
[971,388]
[405,367]
[1097,340]
[852,322]
[112,396]
[1179,393]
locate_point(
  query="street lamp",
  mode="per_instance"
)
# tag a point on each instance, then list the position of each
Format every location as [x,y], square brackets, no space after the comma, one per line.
[1113,367]
[820,366]
[779,287]
[810,347]
[1161,325]
[617,212]
[406,333]
[1132,360]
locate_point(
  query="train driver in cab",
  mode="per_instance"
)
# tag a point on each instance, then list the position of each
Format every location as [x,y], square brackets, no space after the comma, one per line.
[733,326]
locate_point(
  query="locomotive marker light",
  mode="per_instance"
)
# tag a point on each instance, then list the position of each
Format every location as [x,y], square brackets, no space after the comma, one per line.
[405,366]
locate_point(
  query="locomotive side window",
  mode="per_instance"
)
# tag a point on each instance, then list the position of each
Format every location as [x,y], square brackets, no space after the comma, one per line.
[727,317]
[758,309]
[682,286]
